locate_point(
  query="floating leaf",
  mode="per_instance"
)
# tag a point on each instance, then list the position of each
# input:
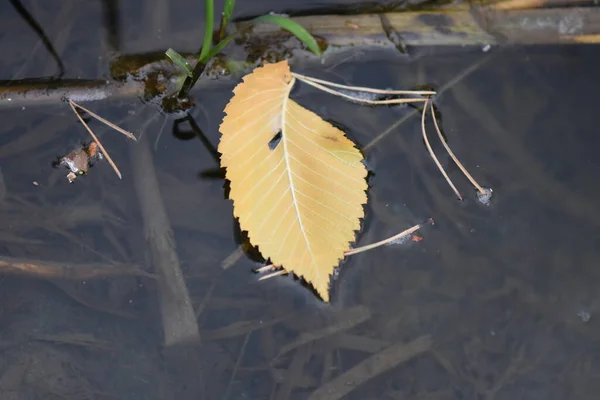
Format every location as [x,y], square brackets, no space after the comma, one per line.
[297,183]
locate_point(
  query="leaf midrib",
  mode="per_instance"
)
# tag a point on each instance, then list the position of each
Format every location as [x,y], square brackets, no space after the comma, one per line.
[284,140]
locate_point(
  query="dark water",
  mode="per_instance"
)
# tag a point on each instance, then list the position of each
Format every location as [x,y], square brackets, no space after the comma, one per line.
[497,302]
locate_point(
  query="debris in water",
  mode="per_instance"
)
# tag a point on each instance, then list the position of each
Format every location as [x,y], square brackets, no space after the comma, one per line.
[416,238]
[485,197]
[584,315]
[79,160]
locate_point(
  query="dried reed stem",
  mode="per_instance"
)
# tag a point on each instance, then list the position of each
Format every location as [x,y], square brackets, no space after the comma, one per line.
[458,163]
[305,78]
[104,121]
[377,102]
[435,159]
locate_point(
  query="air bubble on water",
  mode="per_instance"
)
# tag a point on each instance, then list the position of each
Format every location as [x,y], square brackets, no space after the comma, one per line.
[584,315]
[484,198]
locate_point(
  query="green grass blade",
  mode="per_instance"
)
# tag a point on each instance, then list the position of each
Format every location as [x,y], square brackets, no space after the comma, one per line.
[218,47]
[179,61]
[294,28]
[225,17]
[209,6]
[228,9]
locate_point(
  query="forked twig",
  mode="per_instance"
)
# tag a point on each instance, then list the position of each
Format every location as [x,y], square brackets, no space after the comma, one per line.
[110,161]
[435,159]
[458,163]
[311,82]
[104,121]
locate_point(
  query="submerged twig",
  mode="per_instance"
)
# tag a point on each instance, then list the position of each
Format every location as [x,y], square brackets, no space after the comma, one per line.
[458,163]
[342,321]
[448,85]
[108,158]
[435,159]
[178,319]
[375,365]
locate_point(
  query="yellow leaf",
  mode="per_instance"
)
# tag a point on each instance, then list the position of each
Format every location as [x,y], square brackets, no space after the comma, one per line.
[301,198]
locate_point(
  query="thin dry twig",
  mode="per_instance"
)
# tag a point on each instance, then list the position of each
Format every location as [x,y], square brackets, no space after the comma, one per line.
[104,121]
[435,159]
[305,78]
[391,239]
[110,161]
[458,163]
[366,101]
[67,271]
[382,242]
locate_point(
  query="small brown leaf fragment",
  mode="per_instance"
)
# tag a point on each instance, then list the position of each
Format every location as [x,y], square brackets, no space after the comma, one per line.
[416,238]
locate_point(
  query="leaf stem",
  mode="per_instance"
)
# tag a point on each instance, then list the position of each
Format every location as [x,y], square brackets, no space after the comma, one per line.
[382,242]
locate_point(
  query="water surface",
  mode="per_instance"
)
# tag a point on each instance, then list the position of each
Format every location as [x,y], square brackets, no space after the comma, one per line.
[507,294]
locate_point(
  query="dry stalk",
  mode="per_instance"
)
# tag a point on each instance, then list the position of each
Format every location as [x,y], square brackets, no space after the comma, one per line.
[435,159]
[317,84]
[458,163]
